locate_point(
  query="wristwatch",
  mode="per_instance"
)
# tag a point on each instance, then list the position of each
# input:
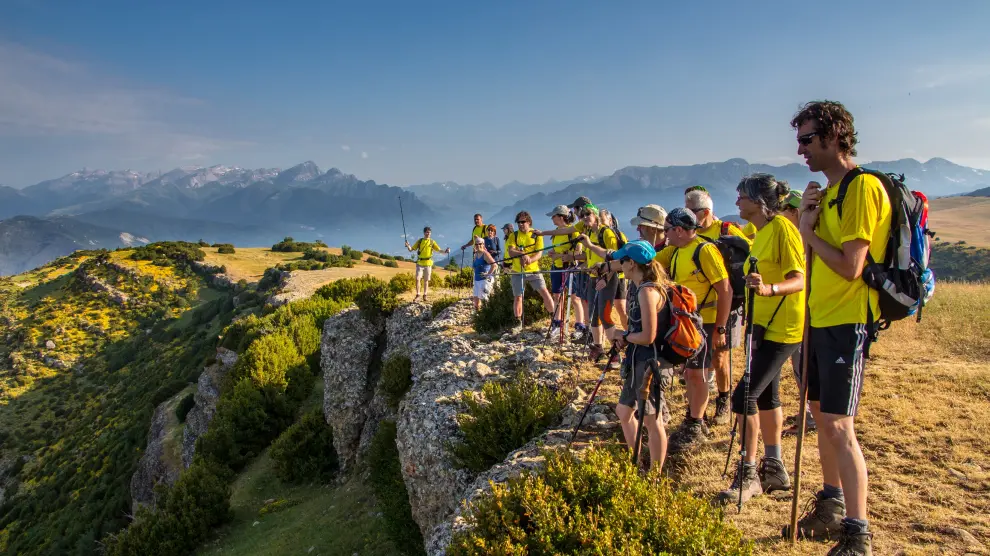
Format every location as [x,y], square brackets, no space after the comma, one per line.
[720,329]
[625,336]
[774,288]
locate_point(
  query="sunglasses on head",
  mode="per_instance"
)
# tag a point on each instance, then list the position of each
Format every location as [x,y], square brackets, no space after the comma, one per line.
[806,138]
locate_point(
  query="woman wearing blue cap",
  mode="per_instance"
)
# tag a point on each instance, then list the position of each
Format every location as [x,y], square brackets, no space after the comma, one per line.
[647,309]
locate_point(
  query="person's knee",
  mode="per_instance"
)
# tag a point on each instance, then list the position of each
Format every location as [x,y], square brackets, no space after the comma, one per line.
[837,428]
[625,413]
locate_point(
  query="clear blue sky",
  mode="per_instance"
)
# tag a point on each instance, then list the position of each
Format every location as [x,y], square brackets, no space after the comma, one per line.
[415,91]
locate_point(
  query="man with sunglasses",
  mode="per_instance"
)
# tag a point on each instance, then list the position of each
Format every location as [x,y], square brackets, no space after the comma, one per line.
[699,202]
[842,309]
[710,284]
[527,249]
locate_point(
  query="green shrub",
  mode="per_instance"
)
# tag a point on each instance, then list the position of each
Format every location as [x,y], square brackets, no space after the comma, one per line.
[596,504]
[402,283]
[346,289]
[463,278]
[496,314]
[442,303]
[391,264]
[374,260]
[225,248]
[185,515]
[356,255]
[390,489]
[377,301]
[345,250]
[396,378]
[268,358]
[510,415]
[371,252]
[305,450]
[185,405]
[276,505]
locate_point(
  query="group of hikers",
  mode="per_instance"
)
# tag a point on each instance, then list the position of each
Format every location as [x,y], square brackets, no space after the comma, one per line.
[683,253]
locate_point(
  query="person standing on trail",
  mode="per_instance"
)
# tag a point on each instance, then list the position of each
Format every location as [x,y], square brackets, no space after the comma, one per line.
[608,220]
[477,231]
[699,202]
[843,310]
[648,309]
[507,230]
[778,326]
[598,240]
[484,271]
[492,243]
[526,248]
[562,254]
[649,224]
[424,247]
[710,284]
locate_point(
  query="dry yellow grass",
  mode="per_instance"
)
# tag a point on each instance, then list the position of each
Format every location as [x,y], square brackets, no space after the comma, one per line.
[924,427]
[248,263]
[961,219]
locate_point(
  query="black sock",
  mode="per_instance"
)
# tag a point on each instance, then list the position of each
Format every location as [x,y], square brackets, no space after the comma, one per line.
[723,395]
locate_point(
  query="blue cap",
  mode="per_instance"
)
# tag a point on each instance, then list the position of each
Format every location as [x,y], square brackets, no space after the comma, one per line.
[638,250]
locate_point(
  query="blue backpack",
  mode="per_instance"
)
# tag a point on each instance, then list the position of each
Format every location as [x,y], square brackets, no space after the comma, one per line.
[903,278]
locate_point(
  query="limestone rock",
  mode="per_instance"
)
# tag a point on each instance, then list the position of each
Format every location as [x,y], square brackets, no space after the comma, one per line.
[349,345]
[207,394]
[49,345]
[161,461]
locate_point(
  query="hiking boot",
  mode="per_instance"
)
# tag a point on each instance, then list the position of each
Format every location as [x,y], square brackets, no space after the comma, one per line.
[689,435]
[773,476]
[721,410]
[853,542]
[578,334]
[554,331]
[748,482]
[595,352]
[822,519]
[518,328]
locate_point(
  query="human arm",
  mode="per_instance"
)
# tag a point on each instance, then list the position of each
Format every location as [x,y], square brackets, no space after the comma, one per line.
[649,299]
[793,283]
[722,307]
[860,218]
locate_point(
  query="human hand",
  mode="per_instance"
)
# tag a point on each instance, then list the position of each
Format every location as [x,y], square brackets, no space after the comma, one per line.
[719,340]
[755,282]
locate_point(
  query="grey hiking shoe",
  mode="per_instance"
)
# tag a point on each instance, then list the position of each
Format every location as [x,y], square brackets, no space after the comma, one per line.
[748,482]
[853,542]
[721,411]
[689,435]
[822,519]
[773,475]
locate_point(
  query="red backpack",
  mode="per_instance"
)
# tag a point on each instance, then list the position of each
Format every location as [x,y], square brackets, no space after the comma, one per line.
[685,337]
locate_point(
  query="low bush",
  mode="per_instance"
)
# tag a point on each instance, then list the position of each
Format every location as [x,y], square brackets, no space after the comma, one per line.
[496,314]
[442,303]
[347,289]
[402,283]
[396,378]
[596,504]
[356,255]
[372,252]
[463,278]
[391,264]
[377,301]
[510,415]
[374,260]
[304,451]
[185,405]
[225,248]
[390,490]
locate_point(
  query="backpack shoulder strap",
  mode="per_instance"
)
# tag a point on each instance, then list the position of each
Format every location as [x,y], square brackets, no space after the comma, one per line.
[696,257]
[844,187]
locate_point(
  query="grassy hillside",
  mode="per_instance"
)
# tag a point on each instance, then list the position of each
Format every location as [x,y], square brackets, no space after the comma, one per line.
[88,365]
[961,219]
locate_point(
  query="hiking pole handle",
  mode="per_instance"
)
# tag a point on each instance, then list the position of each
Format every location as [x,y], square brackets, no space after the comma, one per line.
[750,302]
[644,392]
[803,398]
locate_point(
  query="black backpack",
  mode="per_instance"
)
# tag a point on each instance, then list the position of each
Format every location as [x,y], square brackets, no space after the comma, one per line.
[903,278]
[735,252]
[620,238]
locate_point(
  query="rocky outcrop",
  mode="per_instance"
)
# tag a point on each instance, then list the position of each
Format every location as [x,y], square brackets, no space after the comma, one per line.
[97,285]
[207,393]
[446,363]
[161,461]
[350,356]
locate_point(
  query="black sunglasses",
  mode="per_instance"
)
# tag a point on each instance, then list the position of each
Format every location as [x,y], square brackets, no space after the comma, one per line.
[624,260]
[806,138]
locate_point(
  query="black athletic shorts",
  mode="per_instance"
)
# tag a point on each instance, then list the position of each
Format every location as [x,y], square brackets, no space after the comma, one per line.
[623,289]
[633,381]
[704,360]
[764,378]
[835,366]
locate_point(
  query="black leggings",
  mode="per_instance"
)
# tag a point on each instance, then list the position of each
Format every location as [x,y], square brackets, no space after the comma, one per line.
[764,380]
[604,300]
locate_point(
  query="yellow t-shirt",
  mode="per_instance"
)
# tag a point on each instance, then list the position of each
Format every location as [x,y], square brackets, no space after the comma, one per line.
[749,230]
[425,248]
[865,215]
[714,231]
[679,264]
[527,244]
[609,242]
[779,251]
[478,231]
[561,244]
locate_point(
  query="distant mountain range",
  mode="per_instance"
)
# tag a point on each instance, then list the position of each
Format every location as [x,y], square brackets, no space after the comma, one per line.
[99,208]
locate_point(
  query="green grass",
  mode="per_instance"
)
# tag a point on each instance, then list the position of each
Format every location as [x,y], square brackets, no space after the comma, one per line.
[334,520]
[204,295]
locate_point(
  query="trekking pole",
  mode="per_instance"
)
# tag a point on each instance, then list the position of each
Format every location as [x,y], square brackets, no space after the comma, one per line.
[612,354]
[732,435]
[746,371]
[644,391]
[403,216]
[802,411]
[567,314]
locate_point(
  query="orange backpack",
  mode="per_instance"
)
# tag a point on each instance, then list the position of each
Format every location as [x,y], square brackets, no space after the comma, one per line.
[685,338]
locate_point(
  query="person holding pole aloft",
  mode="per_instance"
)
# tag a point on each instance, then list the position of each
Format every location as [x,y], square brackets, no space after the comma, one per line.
[424,247]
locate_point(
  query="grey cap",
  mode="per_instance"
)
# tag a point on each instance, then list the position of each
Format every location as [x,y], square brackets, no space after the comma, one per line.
[682,218]
[559,210]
